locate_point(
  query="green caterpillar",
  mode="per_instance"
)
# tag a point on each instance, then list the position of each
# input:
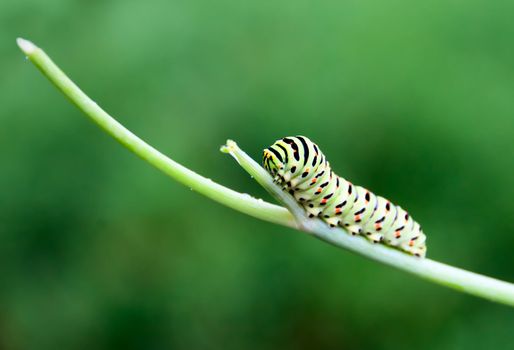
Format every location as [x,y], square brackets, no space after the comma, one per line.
[297,164]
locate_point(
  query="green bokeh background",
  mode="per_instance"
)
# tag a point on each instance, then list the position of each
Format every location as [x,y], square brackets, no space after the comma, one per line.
[98,250]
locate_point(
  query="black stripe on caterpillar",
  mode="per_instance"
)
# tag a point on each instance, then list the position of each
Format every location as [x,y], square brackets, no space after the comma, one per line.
[297,164]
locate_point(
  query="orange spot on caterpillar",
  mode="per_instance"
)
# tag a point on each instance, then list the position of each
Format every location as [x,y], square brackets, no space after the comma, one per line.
[319,190]
[397,234]
[377,226]
[338,210]
[313,181]
[323,201]
[357,218]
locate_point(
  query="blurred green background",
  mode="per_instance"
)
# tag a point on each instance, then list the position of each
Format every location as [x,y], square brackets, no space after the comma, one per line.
[100,251]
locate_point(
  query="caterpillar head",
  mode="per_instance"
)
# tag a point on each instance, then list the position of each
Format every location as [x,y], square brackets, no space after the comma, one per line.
[273,162]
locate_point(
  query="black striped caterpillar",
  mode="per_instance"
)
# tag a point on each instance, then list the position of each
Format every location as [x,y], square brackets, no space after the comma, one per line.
[297,164]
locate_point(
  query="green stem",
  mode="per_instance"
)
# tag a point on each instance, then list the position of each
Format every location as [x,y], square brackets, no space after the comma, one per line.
[235,200]
[295,217]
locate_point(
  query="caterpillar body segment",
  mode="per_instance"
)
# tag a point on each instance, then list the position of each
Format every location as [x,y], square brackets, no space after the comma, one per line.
[298,165]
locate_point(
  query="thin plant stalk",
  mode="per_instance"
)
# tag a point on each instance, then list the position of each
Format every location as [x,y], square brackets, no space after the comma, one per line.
[294,216]
[232,199]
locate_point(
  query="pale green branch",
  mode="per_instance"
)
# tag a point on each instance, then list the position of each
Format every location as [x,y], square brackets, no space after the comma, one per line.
[295,217]
[238,201]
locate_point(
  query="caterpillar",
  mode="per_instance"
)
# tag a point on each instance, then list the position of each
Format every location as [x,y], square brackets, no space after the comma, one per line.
[298,165]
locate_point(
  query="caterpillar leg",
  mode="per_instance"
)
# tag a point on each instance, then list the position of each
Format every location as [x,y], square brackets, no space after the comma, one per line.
[354,229]
[374,237]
